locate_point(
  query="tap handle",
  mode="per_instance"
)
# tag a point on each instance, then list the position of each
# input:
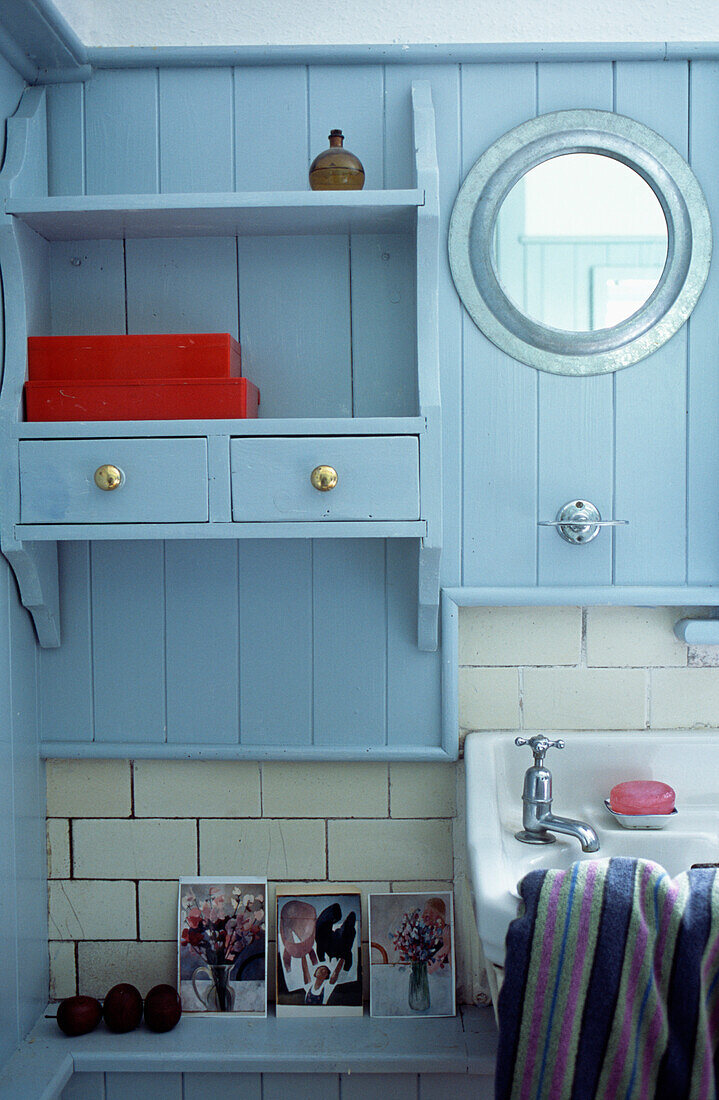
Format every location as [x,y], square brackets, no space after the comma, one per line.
[539,746]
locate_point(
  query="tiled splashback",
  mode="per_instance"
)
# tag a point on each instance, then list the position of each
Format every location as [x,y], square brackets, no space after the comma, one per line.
[121,833]
[568,668]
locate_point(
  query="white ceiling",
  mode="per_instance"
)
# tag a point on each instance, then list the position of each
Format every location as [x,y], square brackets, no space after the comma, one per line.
[319,22]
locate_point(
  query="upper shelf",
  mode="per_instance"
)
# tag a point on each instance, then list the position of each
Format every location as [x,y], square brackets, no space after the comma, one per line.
[278,213]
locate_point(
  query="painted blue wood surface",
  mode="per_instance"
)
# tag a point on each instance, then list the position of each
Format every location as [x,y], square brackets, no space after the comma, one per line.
[195,126]
[444,82]
[651,421]
[575,415]
[350,648]
[271,154]
[202,641]
[376,478]
[506,462]
[143,1086]
[65,671]
[121,142]
[128,636]
[703,376]
[499,417]
[165,481]
[398,1054]
[276,616]
[281,1086]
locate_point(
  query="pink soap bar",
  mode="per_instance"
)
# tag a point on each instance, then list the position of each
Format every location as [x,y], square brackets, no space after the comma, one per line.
[642,796]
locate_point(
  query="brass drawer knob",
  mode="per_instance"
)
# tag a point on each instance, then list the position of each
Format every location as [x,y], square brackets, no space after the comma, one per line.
[108,477]
[324,478]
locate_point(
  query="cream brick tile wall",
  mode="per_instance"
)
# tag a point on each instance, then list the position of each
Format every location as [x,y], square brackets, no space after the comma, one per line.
[619,668]
[120,834]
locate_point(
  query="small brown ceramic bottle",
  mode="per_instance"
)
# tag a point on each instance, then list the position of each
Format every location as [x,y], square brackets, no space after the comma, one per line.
[336,169]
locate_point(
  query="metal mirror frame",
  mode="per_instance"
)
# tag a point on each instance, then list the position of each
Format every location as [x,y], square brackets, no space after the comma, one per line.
[471,242]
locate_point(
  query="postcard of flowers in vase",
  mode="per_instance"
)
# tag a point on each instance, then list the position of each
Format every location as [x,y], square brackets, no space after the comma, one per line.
[222,960]
[319,962]
[411,969]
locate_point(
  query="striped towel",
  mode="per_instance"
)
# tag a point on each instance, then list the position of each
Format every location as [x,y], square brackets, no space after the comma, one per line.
[611,987]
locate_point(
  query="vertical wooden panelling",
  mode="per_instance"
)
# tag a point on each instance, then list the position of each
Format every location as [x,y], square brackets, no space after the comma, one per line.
[350,98]
[201,623]
[499,394]
[85,1086]
[22,797]
[350,651]
[182,285]
[128,641]
[143,1086]
[413,675]
[388,1086]
[202,1086]
[9,1002]
[28,802]
[121,132]
[384,337]
[703,430]
[65,680]
[271,142]
[276,642]
[196,130]
[399,172]
[460,1086]
[300,1086]
[576,430]
[651,396]
[66,139]
[87,287]
[295,324]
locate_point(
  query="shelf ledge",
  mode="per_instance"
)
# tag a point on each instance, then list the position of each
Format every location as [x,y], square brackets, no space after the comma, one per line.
[262,213]
[466,1043]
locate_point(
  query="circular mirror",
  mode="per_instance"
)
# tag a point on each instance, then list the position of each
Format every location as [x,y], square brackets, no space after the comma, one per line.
[580,242]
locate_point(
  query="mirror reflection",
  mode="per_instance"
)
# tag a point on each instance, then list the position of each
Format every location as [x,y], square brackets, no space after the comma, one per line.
[580,242]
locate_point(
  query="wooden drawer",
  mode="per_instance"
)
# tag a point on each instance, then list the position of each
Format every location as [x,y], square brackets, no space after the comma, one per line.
[378,478]
[165,481]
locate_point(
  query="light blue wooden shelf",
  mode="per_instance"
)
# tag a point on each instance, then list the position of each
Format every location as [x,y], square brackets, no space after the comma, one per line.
[463,1044]
[113,217]
[395,497]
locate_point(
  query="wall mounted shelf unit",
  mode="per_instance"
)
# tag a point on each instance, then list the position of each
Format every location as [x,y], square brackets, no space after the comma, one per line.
[219,479]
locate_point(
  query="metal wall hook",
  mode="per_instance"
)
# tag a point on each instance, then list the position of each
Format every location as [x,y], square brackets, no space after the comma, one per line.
[579,521]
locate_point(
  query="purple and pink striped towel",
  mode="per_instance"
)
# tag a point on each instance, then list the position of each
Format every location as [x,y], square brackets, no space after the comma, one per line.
[611,987]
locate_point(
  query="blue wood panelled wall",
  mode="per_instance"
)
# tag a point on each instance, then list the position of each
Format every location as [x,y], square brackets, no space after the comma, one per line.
[640,444]
[22,789]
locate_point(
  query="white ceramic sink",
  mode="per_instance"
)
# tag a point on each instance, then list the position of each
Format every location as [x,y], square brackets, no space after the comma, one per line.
[583,775]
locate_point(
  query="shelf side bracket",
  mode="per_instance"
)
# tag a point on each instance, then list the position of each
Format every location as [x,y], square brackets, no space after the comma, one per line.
[24,169]
[428,236]
[36,571]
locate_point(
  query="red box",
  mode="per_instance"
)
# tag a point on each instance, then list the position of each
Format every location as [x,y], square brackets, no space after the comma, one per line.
[171,356]
[142,399]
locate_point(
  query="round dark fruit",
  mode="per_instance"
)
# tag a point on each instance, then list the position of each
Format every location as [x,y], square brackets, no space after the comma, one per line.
[122,1008]
[78,1015]
[163,1008]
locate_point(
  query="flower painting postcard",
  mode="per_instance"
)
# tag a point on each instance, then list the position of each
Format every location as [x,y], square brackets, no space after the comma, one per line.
[319,968]
[411,955]
[223,946]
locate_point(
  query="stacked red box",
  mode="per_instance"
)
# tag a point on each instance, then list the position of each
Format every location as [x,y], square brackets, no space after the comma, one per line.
[188,376]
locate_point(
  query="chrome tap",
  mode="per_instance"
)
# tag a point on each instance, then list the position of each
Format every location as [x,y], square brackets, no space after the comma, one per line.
[537,816]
